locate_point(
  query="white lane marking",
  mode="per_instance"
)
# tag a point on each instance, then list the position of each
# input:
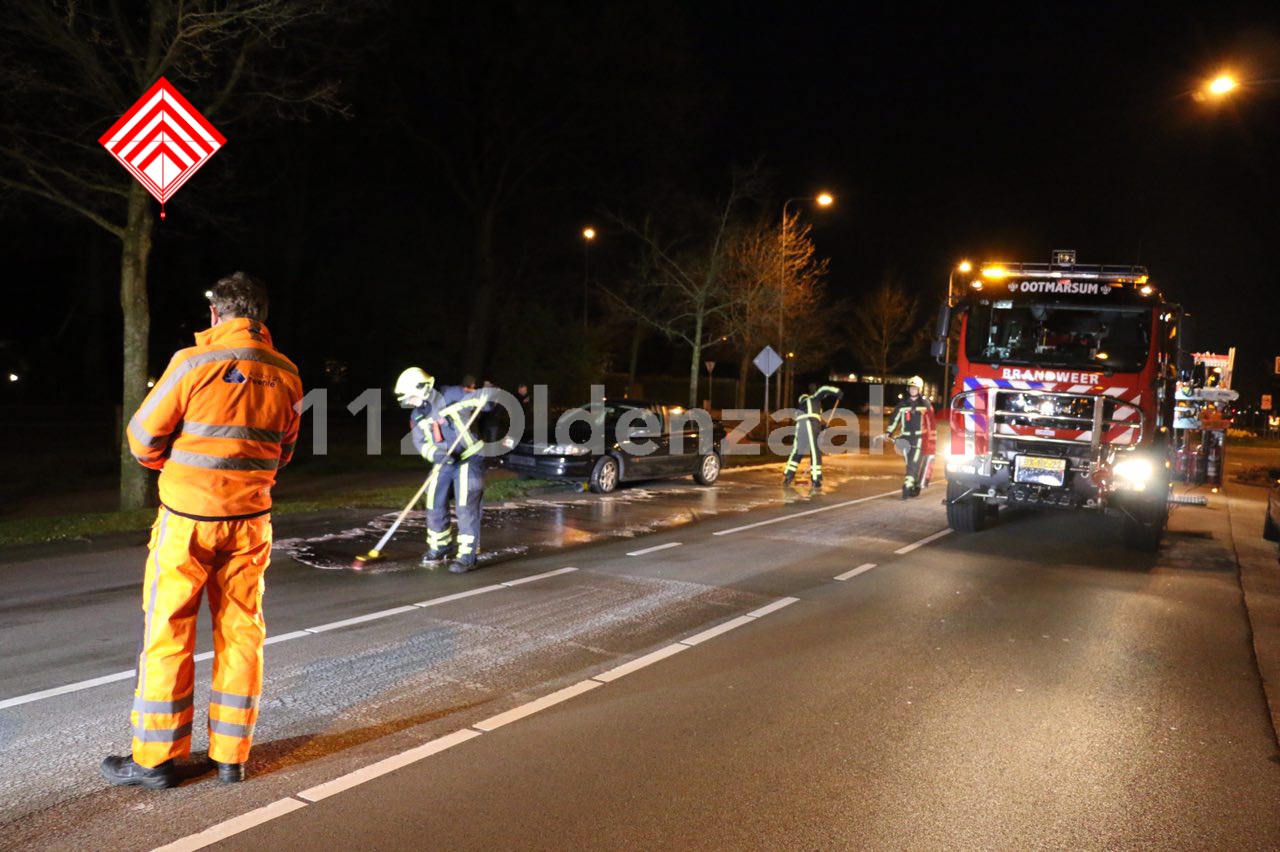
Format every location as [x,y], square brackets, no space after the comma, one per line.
[922,542]
[849,575]
[253,818]
[285,637]
[655,548]
[640,662]
[62,690]
[794,515]
[773,607]
[235,825]
[458,596]
[717,630]
[517,713]
[389,764]
[542,576]
[360,619]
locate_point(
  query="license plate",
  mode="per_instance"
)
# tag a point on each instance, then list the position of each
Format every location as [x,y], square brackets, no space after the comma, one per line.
[1040,470]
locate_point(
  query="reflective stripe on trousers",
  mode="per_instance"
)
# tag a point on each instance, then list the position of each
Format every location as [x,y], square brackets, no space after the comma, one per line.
[465,481]
[226,560]
[806,444]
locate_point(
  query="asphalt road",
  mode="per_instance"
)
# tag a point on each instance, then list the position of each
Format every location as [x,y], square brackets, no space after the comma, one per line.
[1032,686]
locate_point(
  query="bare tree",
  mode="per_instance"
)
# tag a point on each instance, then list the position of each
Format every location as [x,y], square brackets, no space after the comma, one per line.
[767,276]
[685,293]
[886,331]
[70,69]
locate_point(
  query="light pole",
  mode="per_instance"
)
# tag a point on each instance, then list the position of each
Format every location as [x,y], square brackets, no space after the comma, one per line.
[588,234]
[963,267]
[823,199]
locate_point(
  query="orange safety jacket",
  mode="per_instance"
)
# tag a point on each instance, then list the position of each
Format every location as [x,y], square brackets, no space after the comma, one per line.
[220,422]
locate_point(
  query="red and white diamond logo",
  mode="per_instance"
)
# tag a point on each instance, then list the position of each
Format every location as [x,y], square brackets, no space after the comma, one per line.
[162,140]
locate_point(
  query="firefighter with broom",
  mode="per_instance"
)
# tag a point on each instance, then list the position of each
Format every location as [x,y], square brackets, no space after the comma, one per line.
[442,433]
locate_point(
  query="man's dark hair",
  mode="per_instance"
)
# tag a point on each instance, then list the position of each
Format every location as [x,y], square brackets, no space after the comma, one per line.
[239,296]
[468,381]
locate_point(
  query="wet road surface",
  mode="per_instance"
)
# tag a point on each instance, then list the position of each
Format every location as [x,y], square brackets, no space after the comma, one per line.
[1033,686]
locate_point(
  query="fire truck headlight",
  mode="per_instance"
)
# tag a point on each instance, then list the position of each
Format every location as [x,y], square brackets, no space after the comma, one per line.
[1135,473]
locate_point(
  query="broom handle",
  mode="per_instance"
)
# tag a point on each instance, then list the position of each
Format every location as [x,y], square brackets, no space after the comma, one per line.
[427,483]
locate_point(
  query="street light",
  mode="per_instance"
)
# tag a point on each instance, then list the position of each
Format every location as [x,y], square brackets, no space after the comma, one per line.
[962,267]
[822,199]
[588,234]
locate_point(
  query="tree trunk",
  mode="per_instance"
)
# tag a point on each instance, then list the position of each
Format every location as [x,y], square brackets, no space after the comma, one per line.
[695,362]
[744,370]
[137,328]
[484,276]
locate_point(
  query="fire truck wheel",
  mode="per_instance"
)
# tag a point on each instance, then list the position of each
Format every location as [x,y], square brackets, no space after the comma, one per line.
[1144,527]
[964,514]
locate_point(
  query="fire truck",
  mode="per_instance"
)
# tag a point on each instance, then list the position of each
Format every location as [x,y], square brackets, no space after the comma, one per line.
[1063,394]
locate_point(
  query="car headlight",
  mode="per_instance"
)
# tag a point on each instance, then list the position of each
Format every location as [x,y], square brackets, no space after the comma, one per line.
[509,443]
[1134,472]
[566,450]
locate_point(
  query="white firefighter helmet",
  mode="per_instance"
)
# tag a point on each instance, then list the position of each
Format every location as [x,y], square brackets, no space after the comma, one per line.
[413,383]
[916,382]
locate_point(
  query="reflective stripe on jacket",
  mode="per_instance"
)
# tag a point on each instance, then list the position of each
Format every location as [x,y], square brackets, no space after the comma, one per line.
[220,422]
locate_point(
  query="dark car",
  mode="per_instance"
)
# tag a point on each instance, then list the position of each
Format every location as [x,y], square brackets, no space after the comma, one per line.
[622,441]
[1271,525]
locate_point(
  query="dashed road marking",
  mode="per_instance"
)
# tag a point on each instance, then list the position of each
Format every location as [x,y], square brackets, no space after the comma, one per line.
[517,713]
[382,767]
[849,575]
[655,548]
[922,542]
[794,515]
[223,830]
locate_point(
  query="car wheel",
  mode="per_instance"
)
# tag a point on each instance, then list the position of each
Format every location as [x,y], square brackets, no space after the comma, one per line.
[708,470]
[604,478]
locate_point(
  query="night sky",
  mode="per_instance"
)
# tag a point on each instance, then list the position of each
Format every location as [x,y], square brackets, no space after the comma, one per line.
[946,131]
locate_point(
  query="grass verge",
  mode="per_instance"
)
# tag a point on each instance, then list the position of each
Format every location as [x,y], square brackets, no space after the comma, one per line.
[93,524]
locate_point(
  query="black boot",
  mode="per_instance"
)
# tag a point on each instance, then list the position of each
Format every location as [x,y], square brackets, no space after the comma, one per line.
[432,558]
[906,492]
[462,565]
[817,483]
[121,770]
[229,773]
[788,477]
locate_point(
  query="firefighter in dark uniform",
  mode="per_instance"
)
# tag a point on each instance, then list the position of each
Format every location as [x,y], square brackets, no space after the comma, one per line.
[808,430]
[443,434]
[915,425]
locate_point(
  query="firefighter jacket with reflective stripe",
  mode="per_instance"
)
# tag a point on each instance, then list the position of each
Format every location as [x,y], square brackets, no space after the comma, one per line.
[915,417]
[439,420]
[220,422]
[811,405]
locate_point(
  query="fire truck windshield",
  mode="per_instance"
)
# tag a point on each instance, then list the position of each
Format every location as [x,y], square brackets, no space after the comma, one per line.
[1111,339]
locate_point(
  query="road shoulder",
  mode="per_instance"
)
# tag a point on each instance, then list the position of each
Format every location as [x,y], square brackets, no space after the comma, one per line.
[1260,584]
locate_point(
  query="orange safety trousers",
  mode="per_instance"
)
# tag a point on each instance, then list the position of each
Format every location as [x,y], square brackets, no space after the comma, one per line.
[228,560]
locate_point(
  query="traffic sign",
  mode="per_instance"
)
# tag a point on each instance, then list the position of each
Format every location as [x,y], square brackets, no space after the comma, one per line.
[1266,402]
[768,361]
[1278,365]
[711,366]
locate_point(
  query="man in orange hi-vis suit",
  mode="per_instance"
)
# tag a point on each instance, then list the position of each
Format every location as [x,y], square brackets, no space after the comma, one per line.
[218,425]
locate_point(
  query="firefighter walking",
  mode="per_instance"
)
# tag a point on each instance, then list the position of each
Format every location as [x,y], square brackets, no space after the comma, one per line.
[217,425]
[443,435]
[915,424]
[808,430]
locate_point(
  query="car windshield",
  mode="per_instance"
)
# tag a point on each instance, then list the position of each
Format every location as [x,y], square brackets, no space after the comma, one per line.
[1059,336]
[608,415]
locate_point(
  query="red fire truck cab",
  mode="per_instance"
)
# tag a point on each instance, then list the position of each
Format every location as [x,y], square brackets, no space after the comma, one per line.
[1063,394]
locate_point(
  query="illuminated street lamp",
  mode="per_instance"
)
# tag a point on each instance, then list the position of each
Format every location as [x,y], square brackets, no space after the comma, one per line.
[588,234]
[1222,85]
[962,267]
[822,199]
